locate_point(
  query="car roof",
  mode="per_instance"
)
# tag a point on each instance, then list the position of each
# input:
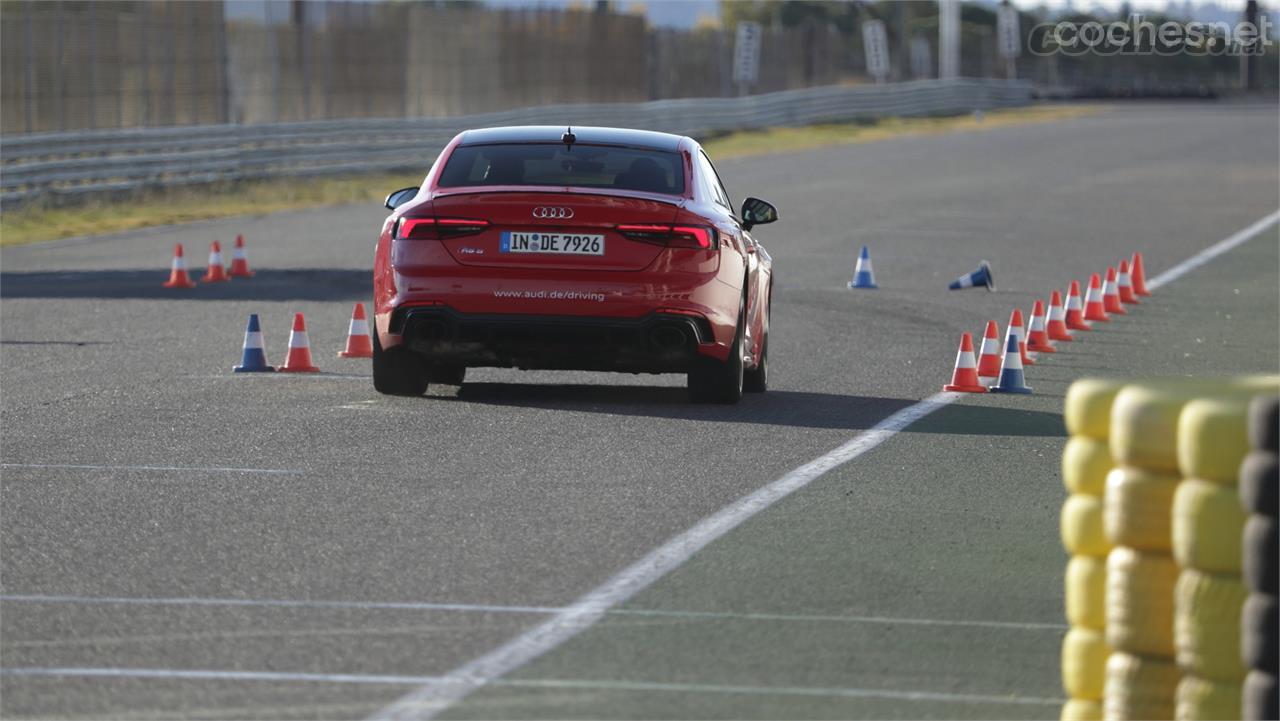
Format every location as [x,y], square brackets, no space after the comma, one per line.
[585,134]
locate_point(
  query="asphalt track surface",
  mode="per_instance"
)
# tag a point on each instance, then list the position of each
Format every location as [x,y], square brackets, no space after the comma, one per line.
[181,542]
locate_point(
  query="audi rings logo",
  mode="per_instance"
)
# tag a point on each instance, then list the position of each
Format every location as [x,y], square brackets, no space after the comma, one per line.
[551,212]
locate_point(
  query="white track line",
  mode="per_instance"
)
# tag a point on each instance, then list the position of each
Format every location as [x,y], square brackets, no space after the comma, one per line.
[438,694]
[276,676]
[544,610]
[191,469]
[1212,252]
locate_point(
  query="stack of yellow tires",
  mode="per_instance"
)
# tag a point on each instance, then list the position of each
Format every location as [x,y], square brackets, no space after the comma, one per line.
[1207,526]
[1086,461]
[1259,629]
[1155,598]
[1142,673]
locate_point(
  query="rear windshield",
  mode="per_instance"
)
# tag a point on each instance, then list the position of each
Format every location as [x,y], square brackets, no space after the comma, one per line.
[583,166]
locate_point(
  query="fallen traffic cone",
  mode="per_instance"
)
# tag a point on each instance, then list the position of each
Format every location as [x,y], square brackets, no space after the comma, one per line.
[1075,312]
[1016,328]
[863,275]
[254,359]
[965,377]
[1037,336]
[359,343]
[178,277]
[982,276]
[989,357]
[299,358]
[1057,326]
[240,261]
[1093,309]
[1139,275]
[1124,283]
[1011,376]
[216,272]
[1111,295]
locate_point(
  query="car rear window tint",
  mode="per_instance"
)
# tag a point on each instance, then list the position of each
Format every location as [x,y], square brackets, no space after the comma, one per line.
[554,164]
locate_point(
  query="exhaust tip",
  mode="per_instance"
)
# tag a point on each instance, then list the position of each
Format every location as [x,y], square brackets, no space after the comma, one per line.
[433,330]
[668,337]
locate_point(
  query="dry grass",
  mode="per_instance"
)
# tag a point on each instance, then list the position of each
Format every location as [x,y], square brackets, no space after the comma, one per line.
[36,223]
[783,140]
[182,205]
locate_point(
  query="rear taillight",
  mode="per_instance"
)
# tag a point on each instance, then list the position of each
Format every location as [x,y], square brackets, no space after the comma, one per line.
[438,228]
[673,236]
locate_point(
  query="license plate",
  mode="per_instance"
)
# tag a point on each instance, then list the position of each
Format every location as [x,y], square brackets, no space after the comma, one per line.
[561,243]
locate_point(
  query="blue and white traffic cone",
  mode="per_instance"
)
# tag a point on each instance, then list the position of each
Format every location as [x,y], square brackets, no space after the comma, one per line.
[982,276]
[1011,378]
[863,275]
[254,359]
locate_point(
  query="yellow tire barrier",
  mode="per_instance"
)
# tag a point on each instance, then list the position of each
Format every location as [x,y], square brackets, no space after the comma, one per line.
[1080,710]
[1136,508]
[1085,464]
[1086,586]
[1084,662]
[1139,688]
[1206,625]
[1207,525]
[1204,700]
[1213,438]
[1144,416]
[1140,602]
[1087,410]
[1082,529]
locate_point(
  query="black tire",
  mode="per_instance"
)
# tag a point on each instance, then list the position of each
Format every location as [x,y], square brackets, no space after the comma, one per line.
[1260,483]
[756,380]
[1259,557]
[712,381]
[1264,423]
[1260,698]
[447,375]
[1260,632]
[398,372]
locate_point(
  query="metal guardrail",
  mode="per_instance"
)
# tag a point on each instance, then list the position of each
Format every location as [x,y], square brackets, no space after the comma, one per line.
[53,165]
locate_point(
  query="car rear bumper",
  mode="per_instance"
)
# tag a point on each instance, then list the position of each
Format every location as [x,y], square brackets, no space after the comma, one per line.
[656,343]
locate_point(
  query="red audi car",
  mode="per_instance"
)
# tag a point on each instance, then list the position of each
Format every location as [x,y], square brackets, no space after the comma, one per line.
[574,249]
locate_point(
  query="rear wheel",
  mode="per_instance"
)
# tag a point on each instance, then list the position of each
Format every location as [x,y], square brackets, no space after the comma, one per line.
[397,372]
[713,381]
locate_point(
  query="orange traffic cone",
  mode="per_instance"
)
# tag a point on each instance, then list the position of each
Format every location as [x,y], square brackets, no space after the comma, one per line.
[1139,276]
[989,358]
[1111,295]
[178,277]
[965,377]
[1057,319]
[1037,336]
[240,261]
[1124,283]
[1018,329]
[1093,308]
[1075,311]
[216,272]
[299,358]
[359,343]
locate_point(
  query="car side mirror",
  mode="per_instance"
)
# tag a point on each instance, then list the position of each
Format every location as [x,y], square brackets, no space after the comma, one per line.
[400,197]
[757,212]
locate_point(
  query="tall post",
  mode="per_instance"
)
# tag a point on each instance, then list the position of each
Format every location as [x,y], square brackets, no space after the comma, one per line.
[29,64]
[948,39]
[1249,60]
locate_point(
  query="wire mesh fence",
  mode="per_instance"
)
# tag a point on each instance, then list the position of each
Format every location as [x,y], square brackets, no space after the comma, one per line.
[87,64]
